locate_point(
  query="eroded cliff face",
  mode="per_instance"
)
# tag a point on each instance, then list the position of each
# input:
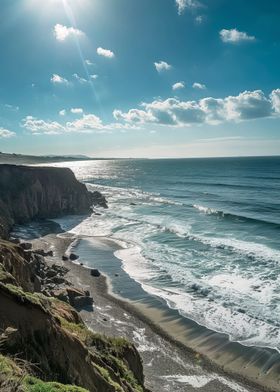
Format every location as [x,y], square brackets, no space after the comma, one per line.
[41,330]
[41,192]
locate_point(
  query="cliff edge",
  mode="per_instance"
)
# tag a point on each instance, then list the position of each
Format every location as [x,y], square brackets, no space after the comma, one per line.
[28,193]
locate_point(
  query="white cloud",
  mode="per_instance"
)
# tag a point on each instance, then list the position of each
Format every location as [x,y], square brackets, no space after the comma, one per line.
[79,78]
[134,116]
[62,112]
[247,105]
[37,126]
[182,5]
[77,111]
[88,62]
[5,133]
[234,36]
[87,123]
[105,52]
[57,79]
[178,86]
[275,98]
[199,86]
[94,77]
[61,32]
[162,66]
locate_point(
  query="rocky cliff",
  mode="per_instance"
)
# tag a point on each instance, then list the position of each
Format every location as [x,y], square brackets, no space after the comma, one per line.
[41,192]
[44,344]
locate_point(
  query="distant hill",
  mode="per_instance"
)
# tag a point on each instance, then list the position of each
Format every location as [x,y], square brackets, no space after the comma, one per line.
[19,159]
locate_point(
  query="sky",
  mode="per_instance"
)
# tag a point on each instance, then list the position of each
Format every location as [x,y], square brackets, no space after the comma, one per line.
[140,78]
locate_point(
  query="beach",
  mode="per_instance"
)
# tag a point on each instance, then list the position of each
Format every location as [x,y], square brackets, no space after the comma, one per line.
[171,363]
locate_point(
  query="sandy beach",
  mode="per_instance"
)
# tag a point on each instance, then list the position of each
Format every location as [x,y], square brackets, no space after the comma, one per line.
[171,349]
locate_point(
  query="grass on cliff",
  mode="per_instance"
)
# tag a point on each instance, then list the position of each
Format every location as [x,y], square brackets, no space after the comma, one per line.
[110,352]
[31,384]
[13,378]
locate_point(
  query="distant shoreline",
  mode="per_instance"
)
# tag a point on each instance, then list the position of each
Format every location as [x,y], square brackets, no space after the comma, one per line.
[22,159]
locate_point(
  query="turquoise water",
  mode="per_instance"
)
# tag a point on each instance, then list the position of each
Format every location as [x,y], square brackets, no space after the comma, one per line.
[203,234]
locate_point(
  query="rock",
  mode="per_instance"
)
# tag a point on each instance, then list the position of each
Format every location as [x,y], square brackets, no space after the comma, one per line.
[28,255]
[94,272]
[82,302]
[43,253]
[79,298]
[81,264]
[64,258]
[56,280]
[99,199]
[116,275]
[51,273]
[25,245]
[62,295]
[73,257]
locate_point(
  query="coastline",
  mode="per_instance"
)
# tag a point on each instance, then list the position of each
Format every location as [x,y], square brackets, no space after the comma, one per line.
[157,334]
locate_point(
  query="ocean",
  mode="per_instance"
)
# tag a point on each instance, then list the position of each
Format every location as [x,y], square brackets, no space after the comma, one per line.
[201,234]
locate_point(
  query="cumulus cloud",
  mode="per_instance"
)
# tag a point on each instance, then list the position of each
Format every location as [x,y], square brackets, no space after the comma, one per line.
[94,77]
[178,86]
[5,133]
[61,32]
[62,112]
[247,105]
[57,79]
[88,62]
[162,66]
[234,36]
[37,126]
[77,111]
[105,53]
[182,5]
[86,123]
[199,86]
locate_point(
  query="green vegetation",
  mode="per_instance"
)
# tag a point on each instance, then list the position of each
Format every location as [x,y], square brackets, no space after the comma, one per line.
[13,378]
[25,296]
[106,375]
[31,384]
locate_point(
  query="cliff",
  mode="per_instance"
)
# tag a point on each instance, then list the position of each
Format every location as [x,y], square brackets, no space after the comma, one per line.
[41,192]
[44,344]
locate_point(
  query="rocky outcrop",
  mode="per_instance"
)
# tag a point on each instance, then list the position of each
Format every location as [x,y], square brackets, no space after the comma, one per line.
[41,192]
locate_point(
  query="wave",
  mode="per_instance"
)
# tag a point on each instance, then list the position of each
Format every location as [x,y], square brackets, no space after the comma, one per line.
[223,214]
[132,193]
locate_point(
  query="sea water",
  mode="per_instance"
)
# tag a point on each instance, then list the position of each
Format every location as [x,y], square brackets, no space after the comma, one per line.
[202,234]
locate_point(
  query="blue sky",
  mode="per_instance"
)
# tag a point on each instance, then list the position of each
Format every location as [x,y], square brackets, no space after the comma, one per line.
[140,78]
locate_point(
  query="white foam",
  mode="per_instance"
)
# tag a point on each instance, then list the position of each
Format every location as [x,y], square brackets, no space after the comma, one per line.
[194,381]
[200,381]
[141,341]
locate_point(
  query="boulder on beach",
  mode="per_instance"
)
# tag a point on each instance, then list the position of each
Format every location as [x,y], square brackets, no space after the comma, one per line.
[73,257]
[94,272]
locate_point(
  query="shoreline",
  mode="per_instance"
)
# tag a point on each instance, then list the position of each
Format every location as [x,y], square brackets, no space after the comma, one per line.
[144,315]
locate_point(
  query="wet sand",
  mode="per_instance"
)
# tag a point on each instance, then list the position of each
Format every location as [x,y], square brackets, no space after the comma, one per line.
[178,354]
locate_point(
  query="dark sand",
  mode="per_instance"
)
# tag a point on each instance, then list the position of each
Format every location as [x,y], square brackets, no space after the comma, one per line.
[169,347]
